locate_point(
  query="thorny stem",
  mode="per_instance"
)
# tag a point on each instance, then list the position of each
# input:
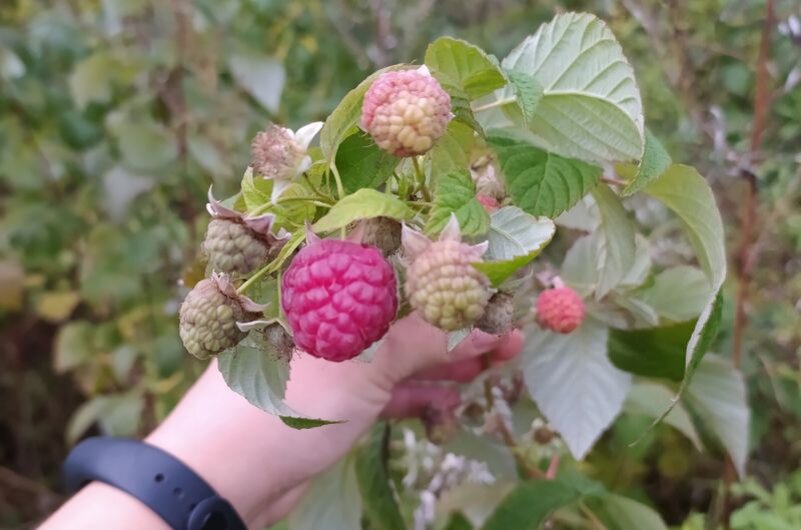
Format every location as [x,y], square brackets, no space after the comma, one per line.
[421,179]
[494,104]
[746,254]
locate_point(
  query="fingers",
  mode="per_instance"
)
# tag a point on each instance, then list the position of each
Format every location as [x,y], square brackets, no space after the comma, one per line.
[475,344]
[462,371]
[509,346]
[414,399]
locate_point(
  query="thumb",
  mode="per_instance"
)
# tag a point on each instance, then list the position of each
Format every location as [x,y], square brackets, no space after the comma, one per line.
[476,343]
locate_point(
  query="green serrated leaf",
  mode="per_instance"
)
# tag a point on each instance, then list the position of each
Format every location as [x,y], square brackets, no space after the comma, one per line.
[372,474]
[655,160]
[528,93]
[615,241]
[342,122]
[650,399]
[574,383]
[254,370]
[686,192]
[451,152]
[457,521]
[255,191]
[362,164]
[591,107]
[306,423]
[332,500]
[459,64]
[653,352]
[718,395]
[530,503]
[464,114]
[363,204]
[677,294]
[515,238]
[455,193]
[621,513]
[542,183]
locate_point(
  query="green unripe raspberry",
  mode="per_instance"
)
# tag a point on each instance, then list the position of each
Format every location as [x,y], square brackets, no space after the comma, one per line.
[234,248]
[209,316]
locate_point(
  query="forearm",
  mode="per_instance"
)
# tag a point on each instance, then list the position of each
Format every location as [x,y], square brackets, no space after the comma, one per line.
[248,456]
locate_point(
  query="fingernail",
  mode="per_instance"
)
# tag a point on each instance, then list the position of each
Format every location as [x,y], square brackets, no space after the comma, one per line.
[484,340]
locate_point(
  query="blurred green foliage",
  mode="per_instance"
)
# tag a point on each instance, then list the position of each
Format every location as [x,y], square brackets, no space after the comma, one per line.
[116,116]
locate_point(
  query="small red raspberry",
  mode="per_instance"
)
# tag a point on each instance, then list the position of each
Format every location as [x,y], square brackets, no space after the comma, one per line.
[560,309]
[406,111]
[339,297]
[490,204]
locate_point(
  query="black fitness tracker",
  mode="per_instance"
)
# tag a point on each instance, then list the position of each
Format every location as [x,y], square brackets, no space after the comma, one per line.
[159,480]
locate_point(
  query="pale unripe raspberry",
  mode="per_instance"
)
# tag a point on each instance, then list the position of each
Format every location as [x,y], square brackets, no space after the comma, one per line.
[560,309]
[236,244]
[406,111]
[441,282]
[209,316]
[339,297]
[497,318]
[275,154]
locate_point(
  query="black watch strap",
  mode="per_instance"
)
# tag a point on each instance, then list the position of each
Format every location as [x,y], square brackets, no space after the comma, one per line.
[161,481]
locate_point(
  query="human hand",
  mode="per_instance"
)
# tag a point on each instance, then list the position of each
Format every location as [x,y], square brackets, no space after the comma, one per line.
[262,466]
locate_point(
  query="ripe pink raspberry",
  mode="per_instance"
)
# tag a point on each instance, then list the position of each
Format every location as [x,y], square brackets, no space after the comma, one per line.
[339,298]
[406,111]
[560,309]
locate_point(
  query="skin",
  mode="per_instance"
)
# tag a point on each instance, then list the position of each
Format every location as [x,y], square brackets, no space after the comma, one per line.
[262,466]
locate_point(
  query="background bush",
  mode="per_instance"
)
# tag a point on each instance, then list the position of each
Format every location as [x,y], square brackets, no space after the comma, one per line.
[116,115]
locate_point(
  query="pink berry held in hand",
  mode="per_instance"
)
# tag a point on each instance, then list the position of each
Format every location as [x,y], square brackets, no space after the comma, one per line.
[560,309]
[406,111]
[339,298]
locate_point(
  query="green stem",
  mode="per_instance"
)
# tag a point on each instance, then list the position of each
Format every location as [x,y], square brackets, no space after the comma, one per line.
[494,104]
[256,276]
[338,179]
[266,206]
[312,186]
[421,179]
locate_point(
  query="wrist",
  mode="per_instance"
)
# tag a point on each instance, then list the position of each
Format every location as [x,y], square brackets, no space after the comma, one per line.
[250,457]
